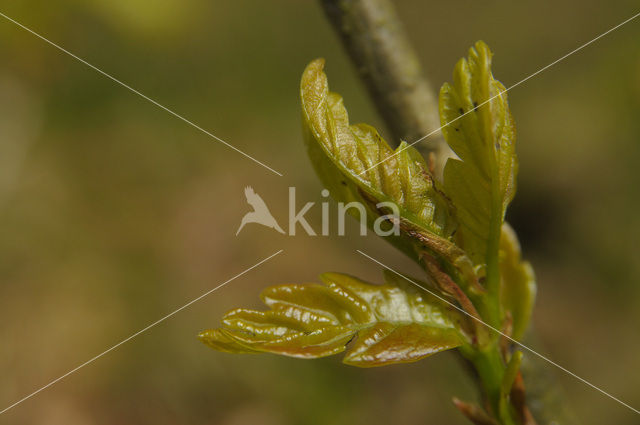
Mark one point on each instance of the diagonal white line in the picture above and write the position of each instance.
(503, 334)
(506, 90)
(175, 114)
(138, 333)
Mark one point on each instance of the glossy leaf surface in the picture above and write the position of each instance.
(356, 164)
(377, 324)
(481, 183)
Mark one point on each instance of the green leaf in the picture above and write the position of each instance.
(510, 375)
(356, 164)
(391, 323)
(481, 183)
(518, 286)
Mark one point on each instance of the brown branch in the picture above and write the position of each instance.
(376, 42)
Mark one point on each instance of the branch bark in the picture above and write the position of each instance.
(376, 42)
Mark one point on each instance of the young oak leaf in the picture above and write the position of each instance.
(356, 164)
(391, 323)
(518, 285)
(482, 182)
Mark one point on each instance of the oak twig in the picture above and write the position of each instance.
(376, 42)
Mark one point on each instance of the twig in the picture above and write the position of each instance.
(374, 38)
(378, 46)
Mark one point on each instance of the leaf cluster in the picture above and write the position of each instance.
(452, 225)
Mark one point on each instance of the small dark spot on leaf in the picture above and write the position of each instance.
(475, 106)
(461, 111)
(456, 129)
(344, 183)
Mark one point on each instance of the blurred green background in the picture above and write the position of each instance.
(114, 213)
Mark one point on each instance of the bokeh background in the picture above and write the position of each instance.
(114, 213)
